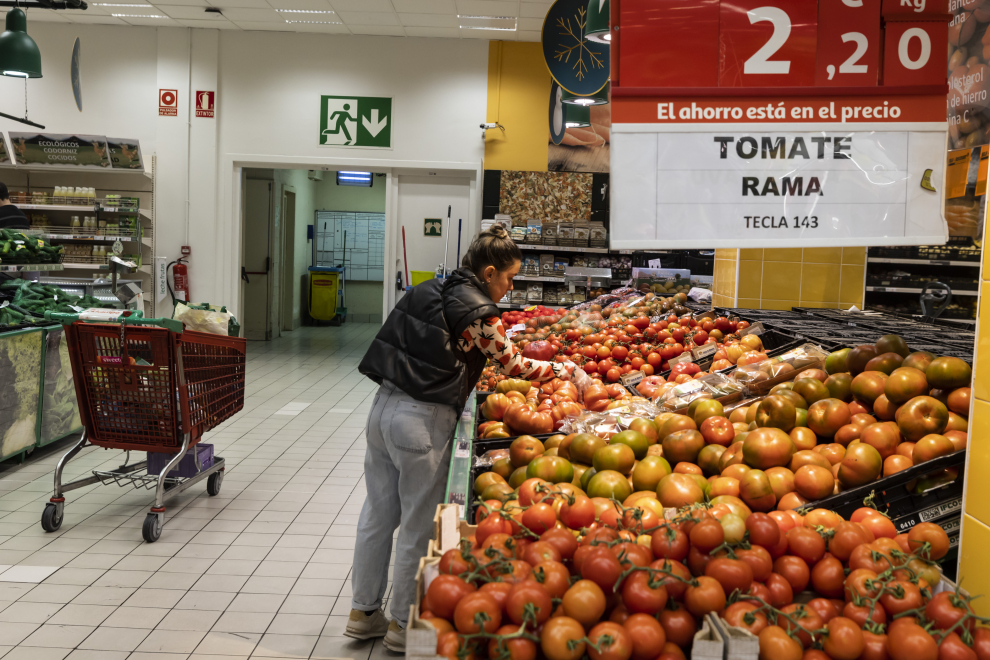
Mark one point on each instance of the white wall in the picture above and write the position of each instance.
(428, 197)
(268, 103)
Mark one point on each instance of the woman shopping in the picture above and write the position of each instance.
(427, 359)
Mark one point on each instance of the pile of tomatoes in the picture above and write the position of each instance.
(552, 573)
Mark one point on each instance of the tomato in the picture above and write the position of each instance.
(859, 581)
(584, 602)
(863, 613)
(679, 626)
(539, 552)
(793, 569)
(602, 567)
(444, 593)
(669, 542)
(643, 594)
(804, 621)
(844, 640)
(495, 523)
(476, 611)
(732, 574)
(763, 530)
(633, 553)
(528, 592)
(953, 648)
(759, 561)
(707, 535)
(946, 609)
(562, 638)
(707, 596)
(759, 590)
(911, 642)
(931, 534)
(453, 562)
(848, 536)
(613, 641)
(675, 587)
(735, 615)
(648, 636)
(806, 543)
(561, 539)
(896, 603)
(825, 608)
(497, 590)
(776, 644)
(539, 517)
(450, 644)
(827, 577)
(518, 648)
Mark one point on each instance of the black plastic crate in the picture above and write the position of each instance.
(891, 494)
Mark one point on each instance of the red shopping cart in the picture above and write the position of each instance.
(146, 385)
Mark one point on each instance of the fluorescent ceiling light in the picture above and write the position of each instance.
(304, 11)
(493, 18)
(104, 4)
(137, 16)
(320, 22)
(478, 27)
(500, 23)
(363, 179)
(15, 74)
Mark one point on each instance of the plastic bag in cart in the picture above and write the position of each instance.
(202, 320)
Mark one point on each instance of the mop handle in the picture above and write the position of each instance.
(405, 257)
(459, 222)
(446, 243)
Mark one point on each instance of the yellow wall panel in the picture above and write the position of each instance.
(820, 281)
(778, 304)
(750, 279)
(518, 94)
(749, 303)
(851, 289)
(818, 305)
(781, 281)
(974, 569)
(823, 255)
(725, 253)
(751, 254)
(854, 255)
(782, 254)
(981, 379)
(978, 488)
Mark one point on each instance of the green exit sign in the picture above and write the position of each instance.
(356, 121)
(432, 227)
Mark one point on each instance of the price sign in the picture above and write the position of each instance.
(913, 53)
(848, 43)
(683, 357)
(703, 351)
(632, 378)
(755, 329)
(767, 43)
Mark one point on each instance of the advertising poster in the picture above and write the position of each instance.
(53, 150)
(586, 148)
(125, 154)
(4, 156)
(60, 408)
(20, 366)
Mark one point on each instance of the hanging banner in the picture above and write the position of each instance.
(125, 154)
(57, 150)
(4, 156)
(797, 125)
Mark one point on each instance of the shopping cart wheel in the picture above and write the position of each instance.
(51, 519)
(213, 483)
(152, 529)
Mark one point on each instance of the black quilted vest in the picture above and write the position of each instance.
(416, 348)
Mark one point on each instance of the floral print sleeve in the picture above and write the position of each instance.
(488, 336)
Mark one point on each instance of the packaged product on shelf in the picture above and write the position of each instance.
(534, 232)
(546, 265)
(550, 294)
(579, 261)
(559, 265)
(530, 266)
(518, 296)
(579, 294)
(711, 386)
(504, 219)
(518, 233)
(534, 292)
(565, 233)
(582, 234)
(599, 236)
(549, 232)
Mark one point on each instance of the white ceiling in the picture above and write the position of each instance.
(519, 20)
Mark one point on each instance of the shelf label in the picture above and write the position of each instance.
(683, 357)
(878, 288)
(938, 263)
(755, 329)
(705, 350)
(630, 379)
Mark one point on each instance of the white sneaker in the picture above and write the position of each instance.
(366, 626)
(395, 638)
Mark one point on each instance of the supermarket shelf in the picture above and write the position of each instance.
(561, 248)
(531, 278)
(85, 208)
(932, 262)
(71, 265)
(21, 268)
(509, 306)
(86, 237)
(897, 289)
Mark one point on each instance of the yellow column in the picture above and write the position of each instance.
(974, 569)
(724, 282)
(782, 278)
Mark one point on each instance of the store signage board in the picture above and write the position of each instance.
(168, 103)
(125, 154)
(206, 104)
(806, 124)
(356, 121)
(4, 156)
(578, 65)
(60, 150)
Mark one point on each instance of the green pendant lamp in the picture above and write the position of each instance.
(598, 98)
(577, 116)
(19, 55)
(596, 28)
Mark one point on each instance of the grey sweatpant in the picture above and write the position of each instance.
(405, 470)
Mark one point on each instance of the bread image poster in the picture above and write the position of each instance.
(583, 149)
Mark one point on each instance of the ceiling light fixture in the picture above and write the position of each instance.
(598, 98)
(104, 4)
(596, 27)
(137, 16)
(318, 22)
(19, 54)
(477, 27)
(577, 116)
(304, 11)
(491, 18)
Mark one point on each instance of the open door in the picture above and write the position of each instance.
(256, 267)
(289, 303)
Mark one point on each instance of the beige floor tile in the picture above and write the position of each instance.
(135, 617)
(171, 641)
(36, 653)
(115, 639)
(82, 615)
(227, 644)
(199, 620)
(26, 612)
(285, 646)
(51, 635)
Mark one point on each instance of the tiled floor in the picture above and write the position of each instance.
(259, 571)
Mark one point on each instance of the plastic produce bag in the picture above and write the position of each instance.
(202, 320)
(607, 423)
(712, 386)
(802, 357)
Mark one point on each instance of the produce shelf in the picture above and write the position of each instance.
(533, 278)
(21, 268)
(82, 207)
(86, 237)
(897, 289)
(932, 262)
(564, 248)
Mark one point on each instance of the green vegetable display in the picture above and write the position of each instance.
(31, 300)
(19, 248)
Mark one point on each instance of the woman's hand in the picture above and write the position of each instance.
(582, 381)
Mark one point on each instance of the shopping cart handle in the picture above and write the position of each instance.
(135, 318)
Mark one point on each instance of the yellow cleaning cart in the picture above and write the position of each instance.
(326, 294)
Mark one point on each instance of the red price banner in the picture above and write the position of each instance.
(767, 43)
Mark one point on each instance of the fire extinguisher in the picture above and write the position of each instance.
(180, 275)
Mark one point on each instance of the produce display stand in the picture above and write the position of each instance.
(145, 385)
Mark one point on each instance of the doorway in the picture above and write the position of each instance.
(256, 264)
(288, 283)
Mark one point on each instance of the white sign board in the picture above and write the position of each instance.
(760, 185)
